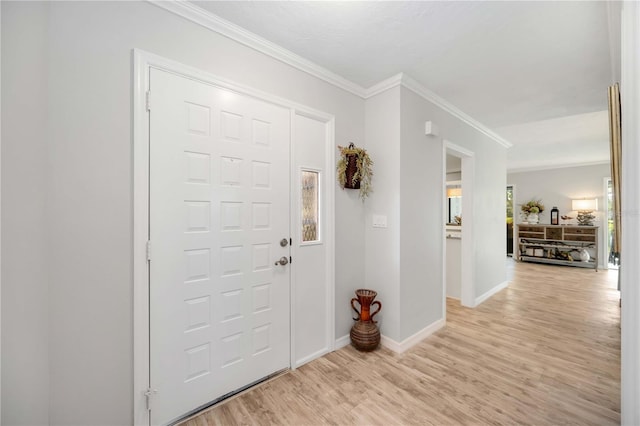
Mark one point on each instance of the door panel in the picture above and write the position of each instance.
(219, 197)
(312, 333)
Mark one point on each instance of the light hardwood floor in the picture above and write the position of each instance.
(544, 351)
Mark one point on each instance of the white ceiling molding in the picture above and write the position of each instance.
(221, 26)
(553, 166)
(427, 94)
(411, 84)
(208, 20)
(387, 84)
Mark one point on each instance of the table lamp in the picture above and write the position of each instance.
(585, 208)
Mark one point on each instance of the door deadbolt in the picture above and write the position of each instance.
(283, 261)
(284, 242)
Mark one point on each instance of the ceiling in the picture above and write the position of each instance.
(536, 73)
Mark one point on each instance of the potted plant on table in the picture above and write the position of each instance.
(531, 210)
(355, 169)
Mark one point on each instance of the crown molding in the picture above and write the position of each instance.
(234, 32)
(221, 26)
(404, 80)
(526, 169)
(427, 94)
(432, 97)
(384, 85)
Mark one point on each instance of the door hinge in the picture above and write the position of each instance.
(148, 100)
(149, 251)
(149, 393)
(290, 259)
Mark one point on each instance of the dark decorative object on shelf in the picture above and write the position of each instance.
(555, 216)
(365, 335)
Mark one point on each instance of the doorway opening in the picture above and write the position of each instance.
(458, 235)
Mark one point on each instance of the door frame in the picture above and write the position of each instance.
(142, 63)
(326, 205)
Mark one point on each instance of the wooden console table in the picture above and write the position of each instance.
(557, 244)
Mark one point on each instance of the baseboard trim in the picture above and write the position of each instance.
(491, 292)
(411, 341)
(308, 358)
(343, 341)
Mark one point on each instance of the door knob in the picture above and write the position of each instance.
(283, 261)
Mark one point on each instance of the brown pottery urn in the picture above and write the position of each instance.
(365, 335)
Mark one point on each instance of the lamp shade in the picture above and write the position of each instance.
(584, 205)
(454, 192)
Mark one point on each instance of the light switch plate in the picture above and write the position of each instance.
(379, 221)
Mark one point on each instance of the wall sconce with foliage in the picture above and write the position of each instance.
(355, 169)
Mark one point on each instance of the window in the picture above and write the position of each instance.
(310, 194)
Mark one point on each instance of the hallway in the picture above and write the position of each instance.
(546, 350)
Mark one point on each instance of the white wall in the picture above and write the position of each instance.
(25, 309)
(404, 261)
(453, 266)
(382, 259)
(453, 176)
(489, 203)
(83, 51)
(630, 251)
(421, 207)
(557, 187)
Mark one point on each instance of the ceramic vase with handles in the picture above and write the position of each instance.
(584, 255)
(533, 218)
(365, 335)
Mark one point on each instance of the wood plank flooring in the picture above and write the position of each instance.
(544, 351)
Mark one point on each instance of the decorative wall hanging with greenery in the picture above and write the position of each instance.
(355, 169)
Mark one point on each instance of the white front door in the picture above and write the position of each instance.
(219, 208)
